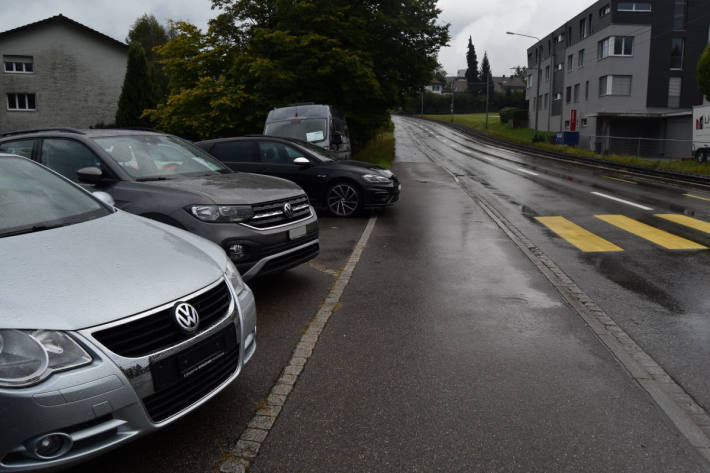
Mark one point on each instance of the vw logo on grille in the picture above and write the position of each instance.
(186, 317)
(288, 210)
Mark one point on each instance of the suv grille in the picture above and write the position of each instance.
(271, 214)
(158, 331)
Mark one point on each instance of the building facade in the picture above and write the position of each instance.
(59, 73)
(623, 74)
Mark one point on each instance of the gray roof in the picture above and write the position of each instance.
(61, 19)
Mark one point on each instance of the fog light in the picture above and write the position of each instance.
(237, 252)
(51, 446)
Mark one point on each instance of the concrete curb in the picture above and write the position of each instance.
(249, 443)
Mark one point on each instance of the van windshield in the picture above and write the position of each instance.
(311, 130)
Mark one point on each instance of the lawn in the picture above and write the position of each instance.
(524, 136)
(379, 150)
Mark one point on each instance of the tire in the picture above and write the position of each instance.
(702, 155)
(343, 199)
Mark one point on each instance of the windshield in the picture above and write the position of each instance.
(148, 157)
(34, 199)
(311, 130)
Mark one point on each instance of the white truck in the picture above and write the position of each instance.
(701, 132)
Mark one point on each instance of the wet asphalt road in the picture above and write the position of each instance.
(449, 351)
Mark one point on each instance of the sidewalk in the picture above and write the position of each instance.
(450, 352)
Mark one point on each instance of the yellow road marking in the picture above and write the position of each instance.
(697, 197)
(621, 180)
(577, 236)
(652, 234)
(687, 221)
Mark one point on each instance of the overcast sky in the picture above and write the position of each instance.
(486, 21)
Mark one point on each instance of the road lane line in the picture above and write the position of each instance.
(652, 234)
(247, 447)
(622, 201)
(528, 172)
(577, 236)
(697, 197)
(687, 221)
(620, 180)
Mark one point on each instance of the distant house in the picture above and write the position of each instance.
(505, 84)
(436, 87)
(456, 83)
(57, 72)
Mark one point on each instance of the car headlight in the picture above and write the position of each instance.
(222, 213)
(29, 356)
(386, 172)
(234, 277)
(375, 179)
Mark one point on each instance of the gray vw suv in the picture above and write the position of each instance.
(111, 325)
(264, 224)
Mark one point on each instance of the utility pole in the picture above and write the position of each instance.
(422, 100)
(488, 82)
(537, 79)
(453, 92)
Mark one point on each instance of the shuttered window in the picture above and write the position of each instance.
(674, 88)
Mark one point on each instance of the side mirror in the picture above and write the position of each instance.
(337, 138)
(90, 175)
(301, 161)
(104, 197)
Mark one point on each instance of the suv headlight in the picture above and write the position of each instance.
(234, 277)
(29, 356)
(222, 213)
(375, 179)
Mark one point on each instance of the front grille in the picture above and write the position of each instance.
(271, 214)
(179, 393)
(158, 331)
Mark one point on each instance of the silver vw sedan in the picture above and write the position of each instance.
(111, 325)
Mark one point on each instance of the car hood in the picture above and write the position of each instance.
(101, 270)
(235, 188)
(356, 165)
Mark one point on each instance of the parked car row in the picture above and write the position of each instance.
(113, 325)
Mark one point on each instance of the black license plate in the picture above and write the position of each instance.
(190, 362)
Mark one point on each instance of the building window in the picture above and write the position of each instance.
(680, 14)
(529, 81)
(634, 6)
(568, 94)
(559, 67)
(547, 73)
(24, 102)
(576, 93)
(677, 50)
(18, 64)
(566, 124)
(615, 46)
(570, 61)
(560, 37)
(556, 97)
(583, 28)
(614, 85)
(674, 88)
(584, 122)
(586, 90)
(545, 101)
(580, 58)
(605, 10)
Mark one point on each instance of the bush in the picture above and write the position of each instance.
(506, 113)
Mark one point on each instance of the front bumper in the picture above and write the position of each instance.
(113, 400)
(381, 196)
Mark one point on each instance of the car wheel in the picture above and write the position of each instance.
(701, 156)
(343, 199)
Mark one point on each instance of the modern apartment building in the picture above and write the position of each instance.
(619, 71)
(57, 72)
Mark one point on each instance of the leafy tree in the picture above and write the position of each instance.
(486, 76)
(472, 71)
(149, 33)
(521, 72)
(361, 57)
(704, 72)
(137, 93)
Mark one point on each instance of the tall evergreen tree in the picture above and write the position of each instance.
(472, 71)
(704, 73)
(486, 76)
(138, 91)
(149, 33)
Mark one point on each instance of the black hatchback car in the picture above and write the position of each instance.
(342, 187)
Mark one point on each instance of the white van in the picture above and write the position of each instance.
(701, 132)
(321, 125)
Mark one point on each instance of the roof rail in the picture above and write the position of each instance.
(38, 130)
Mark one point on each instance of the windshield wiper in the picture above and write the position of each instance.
(156, 178)
(32, 229)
